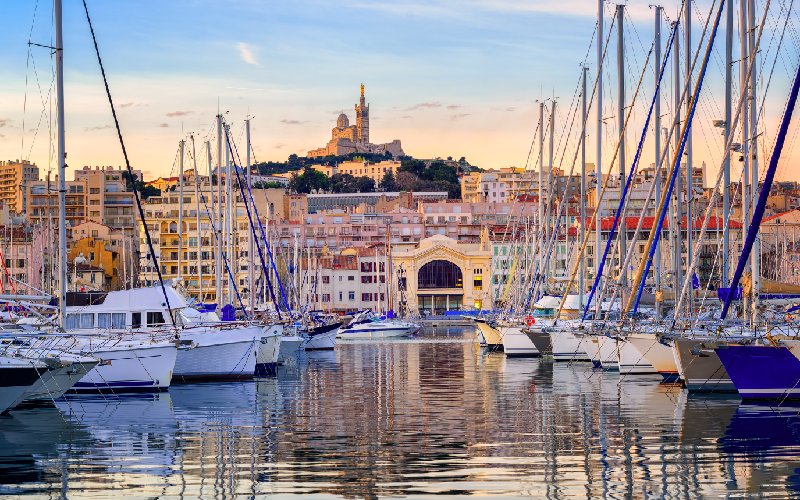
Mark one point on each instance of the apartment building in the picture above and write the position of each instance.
(14, 175)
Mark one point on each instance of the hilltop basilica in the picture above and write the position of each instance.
(346, 138)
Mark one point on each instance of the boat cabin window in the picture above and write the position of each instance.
(118, 321)
(73, 321)
(155, 318)
(136, 320)
(103, 320)
(87, 320)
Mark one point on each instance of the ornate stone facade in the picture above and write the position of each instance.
(346, 138)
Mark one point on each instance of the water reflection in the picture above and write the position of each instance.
(432, 415)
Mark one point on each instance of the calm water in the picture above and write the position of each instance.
(429, 416)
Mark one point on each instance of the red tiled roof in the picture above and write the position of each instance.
(631, 222)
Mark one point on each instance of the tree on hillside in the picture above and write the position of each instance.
(346, 183)
(308, 181)
(388, 183)
(144, 190)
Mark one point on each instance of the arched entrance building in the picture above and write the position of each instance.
(442, 274)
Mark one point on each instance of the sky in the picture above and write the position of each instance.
(446, 77)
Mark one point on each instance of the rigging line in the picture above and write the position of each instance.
(771, 71)
(631, 174)
(540, 265)
(267, 246)
(533, 141)
(252, 226)
(735, 123)
(551, 244)
(130, 169)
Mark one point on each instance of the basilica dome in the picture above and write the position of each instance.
(342, 121)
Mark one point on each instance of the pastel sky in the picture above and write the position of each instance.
(447, 77)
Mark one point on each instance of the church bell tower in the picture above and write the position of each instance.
(362, 118)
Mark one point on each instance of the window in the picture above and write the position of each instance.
(155, 318)
(340, 296)
(477, 271)
(136, 320)
(351, 277)
(87, 320)
(118, 320)
(326, 280)
(439, 274)
(104, 320)
(366, 297)
(477, 283)
(20, 262)
(351, 296)
(73, 321)
(326, 297)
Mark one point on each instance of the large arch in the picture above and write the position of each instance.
(439, 274)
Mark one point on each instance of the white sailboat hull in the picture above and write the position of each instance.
(567, 346)
(609, 356)
(268, 352)
(218, 353)
(516, 343)
(54, 383)
(657, 354)
(632, 361)
(377, 331)
(147, 367)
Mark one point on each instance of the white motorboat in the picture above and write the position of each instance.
(320, 338)
(17, 376)
(366, 325)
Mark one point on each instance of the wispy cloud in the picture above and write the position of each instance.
(163, 125)
(246, 53)
(459, 116)
(425, 105)
(5, 122)
(176, 114)
(279, 145)
(132, 105)
(97, 127)
(292, 122)
(453, 106)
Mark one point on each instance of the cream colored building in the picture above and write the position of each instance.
(499, 185)
(14, 175)
(440, 274)
(374, 171)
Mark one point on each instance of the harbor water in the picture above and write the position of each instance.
(427, 416)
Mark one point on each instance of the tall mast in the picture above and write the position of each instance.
(687, 30)
(180, 213)
(584, 116)
(599, 161)
(621, 119)
(726, 183)
(745, 128)
(542, 233)
(657, 137)
(62, 169)
(551, 228)
(199, 231)
(755, 257)
(250, 238)
(675, 226)
(218, 257)
(229, 219)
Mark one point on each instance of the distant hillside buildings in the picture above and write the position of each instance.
(346, 138)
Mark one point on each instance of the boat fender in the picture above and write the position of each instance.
(529, 320)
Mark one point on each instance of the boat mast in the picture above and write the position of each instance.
(675, 226)
(657, 137)
(199, 242)
(218, 257)
(230, 225)
(743, 88)
(755, 257)
(599, 161)
(180, 213)
(552, 229)
(621, 117)
(584, 116)
(62, 168)
(687, 29)
(250, 237)
(542, 229)
(726, 198)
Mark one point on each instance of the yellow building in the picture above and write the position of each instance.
(441, 274)
(360, 168)
(97, 254)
